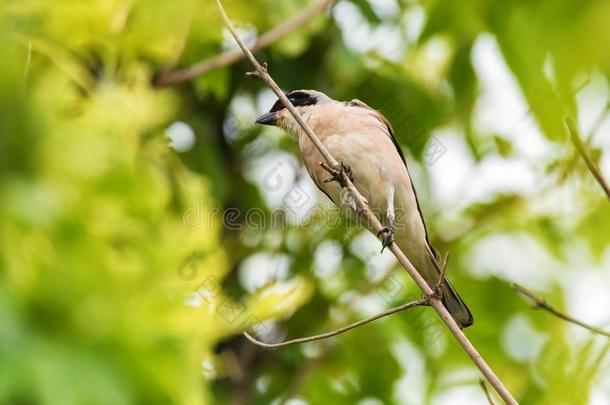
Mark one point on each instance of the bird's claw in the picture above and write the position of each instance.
(388, 237)
(336, 174)
(437, 292)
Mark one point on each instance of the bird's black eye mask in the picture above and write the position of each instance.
(297, 98)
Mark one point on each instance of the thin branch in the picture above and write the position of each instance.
(171, 77)
(541, 303)
(412, 304)
(443, 270)
(595, 171)
(261, 72)
(28, 60)
(362, 205)
(486, 391)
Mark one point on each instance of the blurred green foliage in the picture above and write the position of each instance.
(110, 294)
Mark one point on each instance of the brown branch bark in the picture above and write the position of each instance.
(403, 307)
(541, 303)
(171, 77)
(580, 147)
(435, 302)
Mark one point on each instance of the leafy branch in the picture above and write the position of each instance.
(434, 299)
(580, 147)
(540, 303)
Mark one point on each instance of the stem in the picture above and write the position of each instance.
(541, 303)
(595, 171)
(412, 304)
(171, 77)
(486, 391)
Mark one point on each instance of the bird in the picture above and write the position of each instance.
(363, 140)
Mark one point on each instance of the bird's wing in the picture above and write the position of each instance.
(316, 180)
(390, 132)
(317, 183)
(384, 121)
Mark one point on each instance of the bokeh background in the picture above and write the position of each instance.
(143, 227)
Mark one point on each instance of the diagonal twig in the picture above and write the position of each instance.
(486, 391)
(417, 303)
(361, 203)
(443, 271)
(261, 72)
(170, 77)
(593, 168)
(541, 303)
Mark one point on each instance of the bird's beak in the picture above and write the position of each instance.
(268, 118)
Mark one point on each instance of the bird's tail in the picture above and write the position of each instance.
(456, 307)
(451, 300)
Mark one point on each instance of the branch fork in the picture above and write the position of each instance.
(262, 69)
(422, 302)
(338, 173)
(417, 303)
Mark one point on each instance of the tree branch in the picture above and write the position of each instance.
(575, 138)
(412, 304)
(486, 391)
(435, 302)
(171, 77)
(541, 303)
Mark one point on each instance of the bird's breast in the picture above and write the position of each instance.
(377, 167)
(369, 159)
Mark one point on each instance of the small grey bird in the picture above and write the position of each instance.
(363, 139)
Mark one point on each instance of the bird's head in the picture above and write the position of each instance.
(305, 102)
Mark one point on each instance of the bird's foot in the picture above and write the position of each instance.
(436, 294)
(387, 238)
(336, 174)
